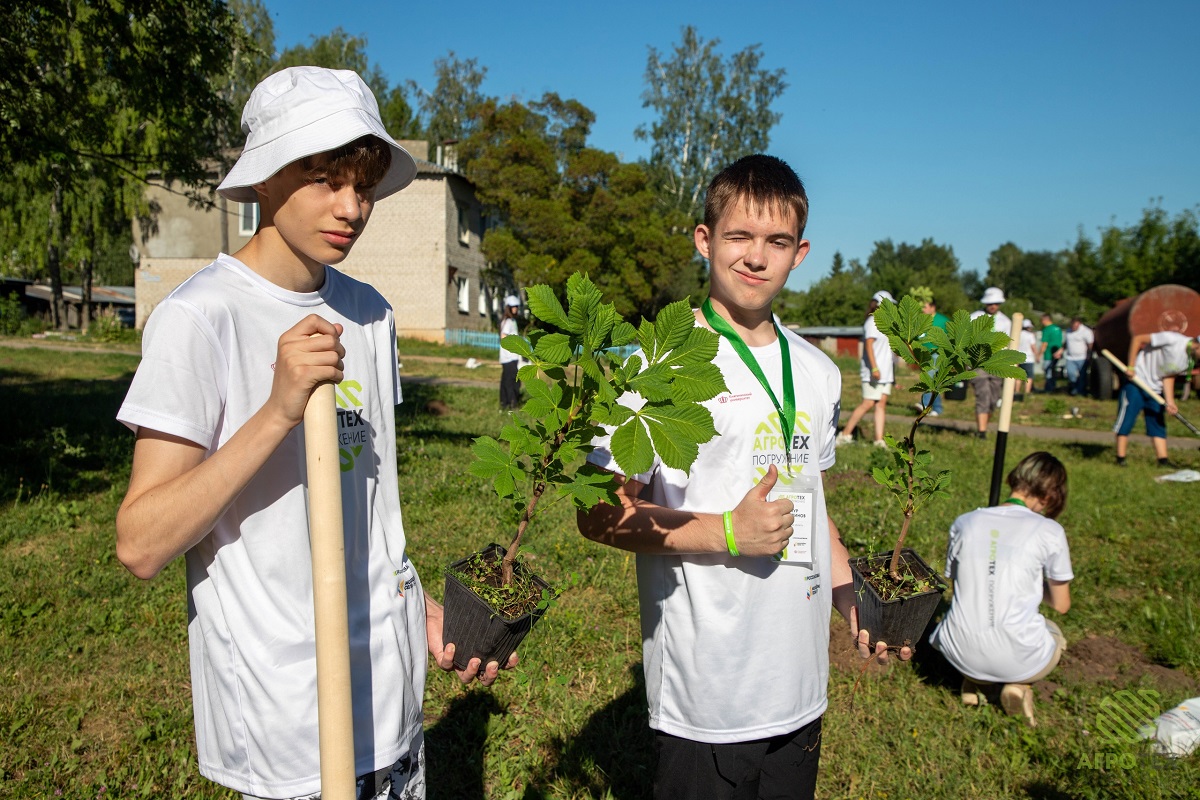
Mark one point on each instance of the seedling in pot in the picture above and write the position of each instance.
(574, 382)
(965, 348)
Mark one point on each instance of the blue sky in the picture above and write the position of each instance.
(972, 124)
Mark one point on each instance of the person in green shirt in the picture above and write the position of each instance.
(1050, 349)
(939, 321)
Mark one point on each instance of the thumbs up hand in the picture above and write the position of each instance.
(762, 527)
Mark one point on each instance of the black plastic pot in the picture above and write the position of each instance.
(901, 621)
(475, 628)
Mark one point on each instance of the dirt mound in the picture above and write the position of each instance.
(1103, 659)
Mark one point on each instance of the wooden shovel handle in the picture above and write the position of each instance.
(334, 711)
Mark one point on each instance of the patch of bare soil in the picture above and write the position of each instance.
(1103, 659)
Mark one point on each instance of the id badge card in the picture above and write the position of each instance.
(803, 493)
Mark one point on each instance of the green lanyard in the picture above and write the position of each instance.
(1016, 502)
(787, 412)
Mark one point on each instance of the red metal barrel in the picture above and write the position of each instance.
(1169, 307)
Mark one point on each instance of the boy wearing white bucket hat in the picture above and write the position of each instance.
(988, 388)
(230, 359)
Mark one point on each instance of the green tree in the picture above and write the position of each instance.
(710, 112)
(565, 207)
(1127, 261)
(451, 112)
(1039, 277)
(339, 50)
(106, 88)
(896, 267)
(840, 298)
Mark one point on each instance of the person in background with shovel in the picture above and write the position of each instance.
(1155, 358)
(230, 360)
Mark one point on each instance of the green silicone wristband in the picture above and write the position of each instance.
(732, 545)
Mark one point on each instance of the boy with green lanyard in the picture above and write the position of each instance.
(735, 630)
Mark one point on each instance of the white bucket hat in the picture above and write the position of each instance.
(302, 111)
(1027, 325)
(511, 300)
(882, 295)
(991, 295)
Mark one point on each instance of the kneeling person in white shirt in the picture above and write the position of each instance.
(1004, 562)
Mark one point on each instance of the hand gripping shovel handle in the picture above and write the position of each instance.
(1006, 404)
(1141, 384)
(334, 712)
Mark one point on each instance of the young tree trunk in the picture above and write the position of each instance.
(58, 317)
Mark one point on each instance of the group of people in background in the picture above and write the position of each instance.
(1156, 359)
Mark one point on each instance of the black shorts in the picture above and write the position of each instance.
(780, 767)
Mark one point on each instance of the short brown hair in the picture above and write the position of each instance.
(761, 181)
(1043, 476)
(364, 161)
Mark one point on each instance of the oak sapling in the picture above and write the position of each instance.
(966, 347)
(574, 383)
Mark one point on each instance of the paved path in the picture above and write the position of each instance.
(1183, 441)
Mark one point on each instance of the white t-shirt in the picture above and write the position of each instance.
(208, 356)
(1029, 345)
(736, 649)
(508, 327)
(1166, 355)
(997, 558)
(1000, 322)
(874, 338)
(1077, 343)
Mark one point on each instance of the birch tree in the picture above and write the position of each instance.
(711, 110)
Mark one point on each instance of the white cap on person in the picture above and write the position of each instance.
(303, 111)
(882, 295)
(511, 300)
(991, 295)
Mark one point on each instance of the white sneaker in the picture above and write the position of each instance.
(880, 443)
(934, 414)
(843, 438)
(918, 407)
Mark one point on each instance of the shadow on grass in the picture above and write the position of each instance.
(61, 434)
(613, 752)
(1089, 450)
(454, 748)
(418, 416)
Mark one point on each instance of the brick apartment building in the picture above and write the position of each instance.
(421, 250)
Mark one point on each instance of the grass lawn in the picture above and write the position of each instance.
(94, 694)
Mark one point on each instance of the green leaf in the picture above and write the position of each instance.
(672, 326)
(591, 486)
(677, 431)
(623, 333)
(543, 398)
(696, 383)
(554, 347)
(492, 462)
(632, 448)
(653, 383)
(545, 306)
(700, 347)
(583, 301)
(518, 345)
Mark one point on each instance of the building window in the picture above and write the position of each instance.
(464, 296)
(464, 225)
(247, 219)
(483, 301)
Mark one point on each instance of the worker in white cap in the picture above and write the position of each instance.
(877, 372)
(987, 387)
(510, 397)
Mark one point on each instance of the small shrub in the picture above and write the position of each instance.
(13, 319)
